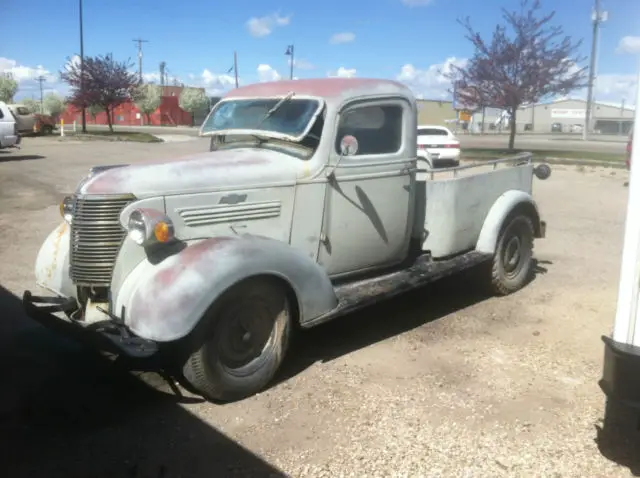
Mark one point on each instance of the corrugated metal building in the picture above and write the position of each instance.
(562, 116)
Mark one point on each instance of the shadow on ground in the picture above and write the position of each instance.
(68, 412)
(618, 438)
(389, 318)
(6, 156)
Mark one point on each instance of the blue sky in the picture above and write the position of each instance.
(409, 40)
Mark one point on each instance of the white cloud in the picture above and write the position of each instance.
(217, 84)
(343, 72)
(417, 3)
(263, 26)
(267, 73)
(629, 45)
(26, 78)
(431, 82)
(613, 87)
(344, 37)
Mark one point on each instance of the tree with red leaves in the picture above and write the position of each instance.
(527, 61)
(101, 82)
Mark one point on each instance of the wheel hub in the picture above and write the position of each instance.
(512, 256)
(244, 335)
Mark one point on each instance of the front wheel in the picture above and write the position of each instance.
(244, 342)
(512, 266)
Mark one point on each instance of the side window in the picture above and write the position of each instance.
(1, 113)
(377, 129)
(22, 110)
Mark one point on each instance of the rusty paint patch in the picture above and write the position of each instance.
(321, 87)
(56, 245)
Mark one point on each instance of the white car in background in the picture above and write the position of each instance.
(9, 136)
(438, 146)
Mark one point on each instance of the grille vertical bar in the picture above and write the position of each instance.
(96, 237)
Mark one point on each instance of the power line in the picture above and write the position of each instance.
(41, 79)
(597, 17)
(140, 41)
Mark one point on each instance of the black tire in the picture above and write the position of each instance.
(512, 265)
(243, 342)
(47, 130)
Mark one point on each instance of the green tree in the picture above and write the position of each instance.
(93, 110)
(8, 87)
(54, 105)
(192, 100)
(147, 98)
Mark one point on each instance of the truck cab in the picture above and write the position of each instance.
(311, 203)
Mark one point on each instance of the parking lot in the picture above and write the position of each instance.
(440, 382)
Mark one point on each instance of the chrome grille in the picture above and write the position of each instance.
(96, 237)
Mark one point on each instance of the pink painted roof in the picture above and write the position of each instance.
(322, 87)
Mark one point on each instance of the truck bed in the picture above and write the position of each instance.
(456, 201)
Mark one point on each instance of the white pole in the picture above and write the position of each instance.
(627, 324)
(61, 127)
(74, 125)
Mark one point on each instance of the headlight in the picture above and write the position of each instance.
(148, 226)
(67, 208)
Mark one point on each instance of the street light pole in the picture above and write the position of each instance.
(597, 17)
(84, 109)
(290, 53)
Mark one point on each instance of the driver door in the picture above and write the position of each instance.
(369, 196)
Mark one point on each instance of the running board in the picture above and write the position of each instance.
(360, 293)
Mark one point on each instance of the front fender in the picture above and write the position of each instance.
(166, 300)
(52, 263)
(502, 207)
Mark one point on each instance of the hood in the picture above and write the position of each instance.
(230, 169)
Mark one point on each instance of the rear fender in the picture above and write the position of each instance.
(510, 202)
(164, 301)
(52, 263)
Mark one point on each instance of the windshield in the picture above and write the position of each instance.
(292, 117)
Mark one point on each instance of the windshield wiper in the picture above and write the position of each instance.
(276, 107)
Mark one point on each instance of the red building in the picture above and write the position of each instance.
(168, 113)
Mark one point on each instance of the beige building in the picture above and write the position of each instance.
(436, 112)
(562, 116)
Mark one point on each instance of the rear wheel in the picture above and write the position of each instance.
(512, 266)
(244, 342)
(47, 129)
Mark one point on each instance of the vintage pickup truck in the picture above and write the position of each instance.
(309, 204)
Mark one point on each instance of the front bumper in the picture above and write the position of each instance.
(621, 372)
(109, 336)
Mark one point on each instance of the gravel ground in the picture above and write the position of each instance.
(440, 382)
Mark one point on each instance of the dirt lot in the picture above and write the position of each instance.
(440, 382)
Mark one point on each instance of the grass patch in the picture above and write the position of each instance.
(133, 136)
(541, 154)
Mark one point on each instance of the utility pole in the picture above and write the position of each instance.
(235, 66)
(41, 79)
(597, 17)
(84, 107)
(140, 41)
(290, 52)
